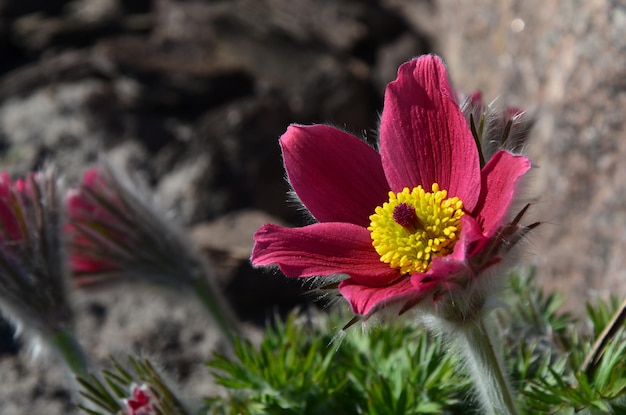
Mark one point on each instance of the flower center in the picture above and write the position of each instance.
(414, 226)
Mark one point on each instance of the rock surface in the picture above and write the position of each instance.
(192, 95)
(570, 72)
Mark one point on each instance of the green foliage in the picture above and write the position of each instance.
(297, 370)
(306, 365)
(400, 369)
(108, 392)
(548, 363)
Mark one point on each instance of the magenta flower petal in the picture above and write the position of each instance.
(9, 221)
(424, 137)
(80, 207)
(499, 181)
(338, 177)
(366, 300)
(470, 239)
(321, 249)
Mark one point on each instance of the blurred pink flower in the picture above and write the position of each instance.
(33, 275)
(418, 219)
(33, 271)
(85, 260)
(11, 226)
(116, 231)
(141, 402)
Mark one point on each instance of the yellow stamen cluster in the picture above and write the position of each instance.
(434, 231)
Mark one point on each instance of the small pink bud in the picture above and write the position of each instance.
(140, 403)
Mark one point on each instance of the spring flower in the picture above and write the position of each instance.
(151, 393)
(33, 274)
(418, 219)
(115, 232)
(140, 403)
(88, 265)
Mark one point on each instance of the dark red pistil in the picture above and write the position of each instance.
(405, 216)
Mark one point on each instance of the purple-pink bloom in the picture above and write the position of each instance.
(33, 272)
(115, 231)
(141, 402)
(84, 261)
(425, 143)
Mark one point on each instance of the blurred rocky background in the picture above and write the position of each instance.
(191, 96)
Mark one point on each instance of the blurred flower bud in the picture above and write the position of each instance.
(117, 233)
(140, 403)
(151, 392)
(33, 272)
(494, 127)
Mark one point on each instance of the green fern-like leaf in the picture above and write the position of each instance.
(108, 392)
(298, 370)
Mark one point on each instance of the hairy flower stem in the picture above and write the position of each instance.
(71, 352)
(473, 341)
(219, 310)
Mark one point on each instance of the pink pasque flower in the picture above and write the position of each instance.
(117, 232)
(33, 272)
(418, 219)
(91, 210)
(140, 403)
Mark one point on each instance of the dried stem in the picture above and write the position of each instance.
(595, 354)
